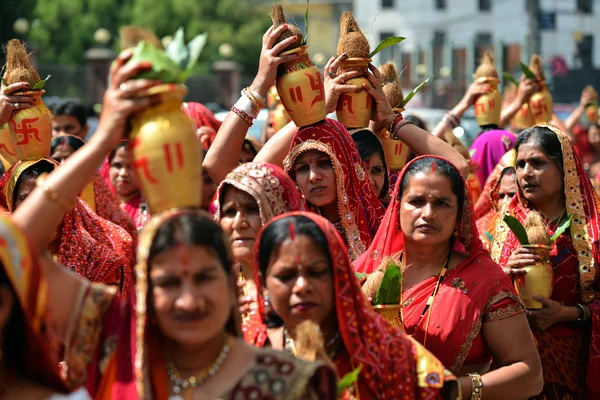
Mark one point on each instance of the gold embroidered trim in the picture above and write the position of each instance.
(504, 313)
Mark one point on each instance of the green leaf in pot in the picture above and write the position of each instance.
(527, 72)
(386, 43)
(517, 228)
(389, 289)
(163, 68)
(195, 48)
(508, 77)
(177, 50)
(348, 380)
(561, 229)
(415, 91)
(305, 39)
(40, 84)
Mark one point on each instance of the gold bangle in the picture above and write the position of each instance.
(51, 194)
(477, 390)
(254, 98)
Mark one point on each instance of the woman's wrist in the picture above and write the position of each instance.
(569, 313)
(260, 86)
(388, 120)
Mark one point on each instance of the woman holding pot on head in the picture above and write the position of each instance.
(566, 328)
(303, 267)
(454, 299)
(182, 316)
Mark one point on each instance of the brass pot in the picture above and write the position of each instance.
(391, 313)
(541, 105)
(354, 109)
(591, 111)
(396, 152)
(539, 279)
(523, 119)
(31, 128)
(300, 87)
(488, 106)
(167, 156)
(8, 151)
(280, 117)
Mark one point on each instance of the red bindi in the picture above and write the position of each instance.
(183, 256)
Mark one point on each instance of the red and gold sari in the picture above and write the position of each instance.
(20, 264)
(564, 348)
(91, 246)
(360, 209)
(393, 366)
(115, 350)
(474, 292)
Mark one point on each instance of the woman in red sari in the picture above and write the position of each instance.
(455, 300)
(306, 273)
(552, 181)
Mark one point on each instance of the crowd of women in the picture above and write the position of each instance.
(274, 283)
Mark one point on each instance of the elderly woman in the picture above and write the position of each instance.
(553, 182)
(455, 300)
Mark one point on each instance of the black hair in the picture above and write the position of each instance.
(367, 144)
(543, 138)
(32, 172)
(72, 141)
(506, 171)
(14, 344)
(278, 232)
(71, 108)
(417, 121)
(121, 145)
(442, 167)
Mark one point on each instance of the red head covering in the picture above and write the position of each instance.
(201, 116)
(386, 354)
(360, 209)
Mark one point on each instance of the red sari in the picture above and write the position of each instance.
(391, 368)
(360, 209)
(474, 292)
(564, 347)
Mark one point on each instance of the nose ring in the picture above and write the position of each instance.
(244, 224)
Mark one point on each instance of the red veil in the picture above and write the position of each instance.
(386, 354)
(360, 209)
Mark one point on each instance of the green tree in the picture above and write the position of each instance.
(10, 11)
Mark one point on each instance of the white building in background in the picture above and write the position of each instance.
(446, 38)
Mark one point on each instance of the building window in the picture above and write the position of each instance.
(389, 54)
(585, 50)
(485, 5)
(483, 42)
(387, 3)
(440, 4)
(584, 6)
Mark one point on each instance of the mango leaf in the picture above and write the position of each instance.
(348, 379)
(360, 276)
(517, 228)
(527, 72)
(177, 50)
(561, 229)
(305, 40)
(508, 77)
(163, 68)
(40, 84)
(389, 289)
(4, 82)
(386, 43)
(415, 91)
(195, 48)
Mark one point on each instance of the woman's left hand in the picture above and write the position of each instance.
(383, 114)
(550, 314)
(335, 85)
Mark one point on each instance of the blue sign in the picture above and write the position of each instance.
(547, 21)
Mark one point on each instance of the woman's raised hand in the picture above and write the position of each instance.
(520, 258)
(124, 97)
(10, 103)
(270, 59)
(383, 114)
(335, 85)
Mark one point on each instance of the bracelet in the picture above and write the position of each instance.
(247, 119)
(477, 382)
(397, 117)
(398, 127)
(246, 105)
(51, 194)
(256, 98)
(451, 120)
(582, 313)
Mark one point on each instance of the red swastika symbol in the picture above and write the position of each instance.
(492, 104)
(25, 131)
(539, 107)
(316, 84)
(142, 164)
(345, 100)
(3, 146)
(479, 108)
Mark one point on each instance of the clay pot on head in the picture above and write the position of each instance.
(31, 128)
(354, 109)
(166, 153)
(488, 106)
(539, 279)
(8, 151)
(541, 105)
(300, 87)
(396, 152)
(523, 119)
(591, 112)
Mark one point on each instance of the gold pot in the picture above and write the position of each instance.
(300, 87)
(488, 106)
(591, 111)
(541, 105)
(166, 154)
(391, 313)
(354, 109)
(8, 151)
(523, 119)
(539, 279)
(396, 152)
(280, 117)
(31, 129)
